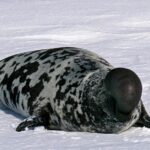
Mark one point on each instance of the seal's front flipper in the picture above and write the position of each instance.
(30, 122)
(144, 119)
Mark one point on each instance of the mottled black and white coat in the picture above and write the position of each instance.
(62, 89)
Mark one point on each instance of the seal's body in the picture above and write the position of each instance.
(64, 89)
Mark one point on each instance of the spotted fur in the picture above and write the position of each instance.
(63, 88)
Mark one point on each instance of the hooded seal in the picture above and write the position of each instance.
(71, 89)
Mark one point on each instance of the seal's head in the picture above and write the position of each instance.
(125, 87)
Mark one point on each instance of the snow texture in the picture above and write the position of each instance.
(118, 30)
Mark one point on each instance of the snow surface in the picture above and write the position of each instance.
(118, 30)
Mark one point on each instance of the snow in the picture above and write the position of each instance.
(118, 30)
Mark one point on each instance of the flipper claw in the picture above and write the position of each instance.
(30, 122)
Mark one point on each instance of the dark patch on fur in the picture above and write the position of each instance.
(5, 80)
(45, 77)
(1, 72)
(8, 58)
(51, 70)
(41, 98)
(34, 93)
(22, 105)
(26, 88)
(58, 66)
(14, 63)
(2, 66)
(5, 97)
(57, 76)
(28, 59)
